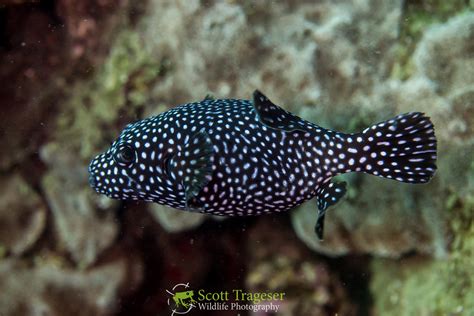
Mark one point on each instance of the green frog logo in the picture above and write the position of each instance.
(181, 300)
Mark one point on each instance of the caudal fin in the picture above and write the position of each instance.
(403, 149)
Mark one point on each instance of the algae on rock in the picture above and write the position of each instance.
(80, 229)
(417, 17)
(419, 286)
(310, 286)
(403, 218)
(340, 64)
(22, 215)
(51, 290)
(119, 89)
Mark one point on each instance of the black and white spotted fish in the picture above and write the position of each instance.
(241, 157)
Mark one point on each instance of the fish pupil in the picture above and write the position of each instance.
(125, 155)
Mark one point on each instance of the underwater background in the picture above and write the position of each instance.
(74, 73)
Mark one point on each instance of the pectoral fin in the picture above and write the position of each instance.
(327, 195)
(192, 168)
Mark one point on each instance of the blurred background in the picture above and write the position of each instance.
(74, 73)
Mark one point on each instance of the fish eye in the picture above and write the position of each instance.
(124, 155)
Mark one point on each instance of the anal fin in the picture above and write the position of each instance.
(328, 195)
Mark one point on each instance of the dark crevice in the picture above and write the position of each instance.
(354, 273)
(11, 15)
(3, 29)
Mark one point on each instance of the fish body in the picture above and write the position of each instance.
(249, 157)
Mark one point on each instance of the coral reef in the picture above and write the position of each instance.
(44, 61)
(309, 285)
(412, 218)
(22, 216)
(440, 287)
(175, 221)
(53, 229)
(73, 81)
(51, 290)
(73, 208)
(444, 63)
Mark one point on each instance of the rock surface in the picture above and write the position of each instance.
(443, 85)
(80, 229)
(40, 64)
(71, 83)
(173, 220)
(309, 285)
(299, 54)
(52, 290)
(401, 218)
(22, 216)
(440, 287)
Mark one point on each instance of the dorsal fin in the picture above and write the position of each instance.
(209, 97)
(274, 116)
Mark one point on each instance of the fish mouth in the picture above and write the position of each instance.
(92, 180)
(96, 180)
(92, 175)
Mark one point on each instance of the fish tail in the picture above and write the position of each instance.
(403, 148)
